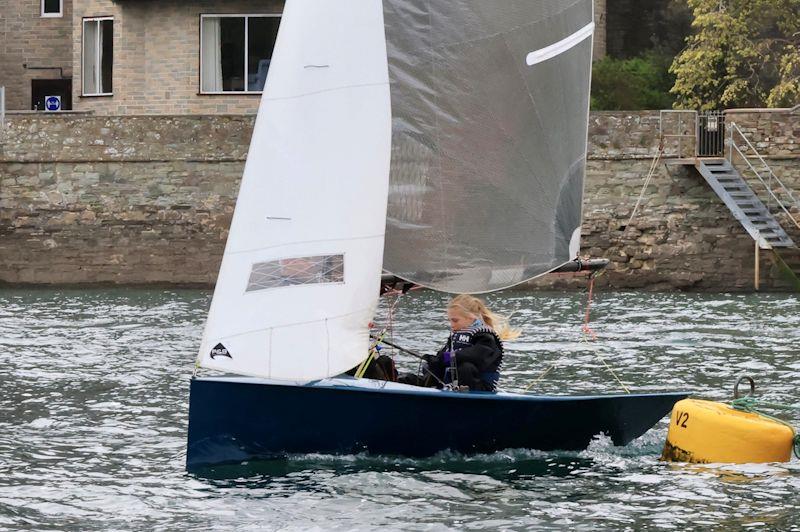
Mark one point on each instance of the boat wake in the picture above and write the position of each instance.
(505, 464)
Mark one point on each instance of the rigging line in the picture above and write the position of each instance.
(374, 349)
(362, 368)
(589, 333)
(541, 376)
(611, 370)
(390, 317)
(414, 354)
(390, 325)
(583, 338)
(585, 330)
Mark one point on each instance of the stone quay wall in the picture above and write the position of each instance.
(682, 236)
(90, 199)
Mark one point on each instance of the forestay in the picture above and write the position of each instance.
(299, 278)
(490, 104)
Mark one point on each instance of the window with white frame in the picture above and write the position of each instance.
(97, 56)
(52, 8)
(235, 51)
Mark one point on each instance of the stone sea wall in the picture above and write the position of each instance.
(148, 199)
(682, 236)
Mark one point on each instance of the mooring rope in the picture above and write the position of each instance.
(650, 174)
(751, 404)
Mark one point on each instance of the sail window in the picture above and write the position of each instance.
(52, 8)
(295, 271)
(98, 56)
(235, 52)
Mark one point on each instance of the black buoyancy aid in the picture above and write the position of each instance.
(464, 338)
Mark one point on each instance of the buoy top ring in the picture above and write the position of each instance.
(739, 381)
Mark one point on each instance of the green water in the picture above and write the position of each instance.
(93, 409)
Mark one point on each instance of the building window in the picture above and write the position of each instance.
(98, 56)
(235, 52)
(52, 8)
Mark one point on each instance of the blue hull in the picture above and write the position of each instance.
(236, 419)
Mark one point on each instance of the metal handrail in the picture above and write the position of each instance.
(772, 175)
(680, 136)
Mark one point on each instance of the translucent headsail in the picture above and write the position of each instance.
(301, 271)
(490, 103)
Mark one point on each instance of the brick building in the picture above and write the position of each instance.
(123, 57)
(173, 56)
(35, 51)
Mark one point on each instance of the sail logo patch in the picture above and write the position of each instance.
(220, 351)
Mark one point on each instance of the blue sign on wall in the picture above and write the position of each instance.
(52, 103)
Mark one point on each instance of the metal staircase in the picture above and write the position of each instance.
(741, 178)
(743, 203)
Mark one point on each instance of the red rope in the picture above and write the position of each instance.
(587, 331)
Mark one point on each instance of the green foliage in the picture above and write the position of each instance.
(631, 84)
(742, 53)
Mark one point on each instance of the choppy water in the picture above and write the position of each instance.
(93, 409)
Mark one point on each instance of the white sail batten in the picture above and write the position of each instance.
(299, 279)
(558, 48)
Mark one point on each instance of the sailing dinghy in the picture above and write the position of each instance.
(444, 142)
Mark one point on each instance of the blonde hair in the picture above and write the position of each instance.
(475, 307)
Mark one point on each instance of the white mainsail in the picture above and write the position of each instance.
(299, 279)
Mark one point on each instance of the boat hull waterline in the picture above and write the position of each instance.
(236, 419)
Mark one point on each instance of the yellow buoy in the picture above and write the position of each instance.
(704, 432)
